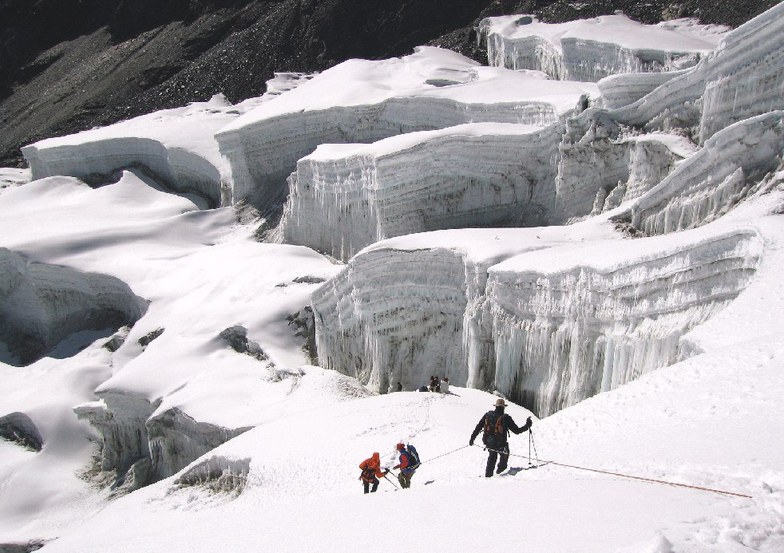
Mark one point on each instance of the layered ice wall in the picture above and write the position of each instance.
(175, 146)
(590, 49)
(140, 446)
(343, 198)
(626, 88)
(598, 168)
(399, 331)
(714, 180)
(372, 100)
(41, 305)
(744, 77)
(548, 327)
(566, 328)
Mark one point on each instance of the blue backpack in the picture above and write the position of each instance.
(413, 457)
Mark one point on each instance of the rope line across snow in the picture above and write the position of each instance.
(634, 477)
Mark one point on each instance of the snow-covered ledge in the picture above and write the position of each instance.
(177, 147)
(714, 180)
(371, 100)
(547, 327)
(590, 49)
(743, 78)
(345, 197)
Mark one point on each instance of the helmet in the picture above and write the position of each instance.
(400, 446)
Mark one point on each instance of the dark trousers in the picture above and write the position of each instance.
(492, 457)
(367, 487)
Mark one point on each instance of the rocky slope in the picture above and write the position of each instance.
(113, 60)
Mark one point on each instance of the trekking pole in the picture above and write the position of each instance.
(532, 442)
(390, 481)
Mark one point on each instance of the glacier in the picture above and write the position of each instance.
(542, 239)
(371, 100)
(591, 49)
(742, 78)
(503, 324)
(43, 305)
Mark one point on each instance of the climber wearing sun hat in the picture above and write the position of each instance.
(496, 426)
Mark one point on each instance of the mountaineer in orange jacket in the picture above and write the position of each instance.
(371, 472)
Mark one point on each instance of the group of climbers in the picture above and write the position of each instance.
(495, 426)
(408, 462)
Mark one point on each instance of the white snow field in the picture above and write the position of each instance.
(172, 383)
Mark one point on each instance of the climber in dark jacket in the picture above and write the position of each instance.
(496, 426)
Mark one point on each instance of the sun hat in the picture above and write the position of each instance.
(500, 402)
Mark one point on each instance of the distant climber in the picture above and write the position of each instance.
(407, 465)
(435, 385)
(371, 472)
(496, 426)
(399, 387)
(445, 385)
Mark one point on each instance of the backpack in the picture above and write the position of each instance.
(413, 457)
(495, 431)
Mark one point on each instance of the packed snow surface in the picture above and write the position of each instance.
(643, 338)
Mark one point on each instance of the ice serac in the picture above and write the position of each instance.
(402, 309)
(718, 177)
(143, 446)
(403, 331)
(626, 88)
(590, 49)
(372, 100)
(599, 167)
(565, 333)
(217, 474)
(343, 198)
(41, 305)
(743, 78)
(549, 326)
(177, 147)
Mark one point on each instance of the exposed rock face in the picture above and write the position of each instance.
(121, 59)
(44, 304)
(126, 58)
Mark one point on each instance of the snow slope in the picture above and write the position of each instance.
(648, 331)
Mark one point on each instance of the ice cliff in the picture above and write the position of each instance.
(590, 49)
(41, 305)
(545, 333)
(371, 100)
(553, 318)
(742, 78)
